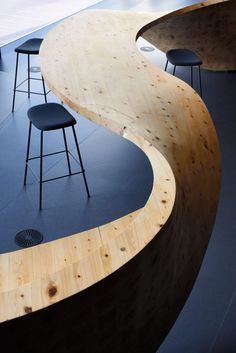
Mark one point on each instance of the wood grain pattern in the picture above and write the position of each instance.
(125, 289)
(208, 28)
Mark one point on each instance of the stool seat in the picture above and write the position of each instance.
(50, 116)
(31, 46)
(183, 57)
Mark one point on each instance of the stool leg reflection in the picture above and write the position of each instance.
(81, 163)
(27, 153)
(67, 153)
(41, 171)
(15, 82)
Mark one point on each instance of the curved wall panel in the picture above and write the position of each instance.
(209, 29)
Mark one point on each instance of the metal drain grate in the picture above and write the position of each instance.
(147, 49)
(28, 237)
(34, 69)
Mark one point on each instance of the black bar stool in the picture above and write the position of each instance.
(184, 57)
(47, 117)
(30, 47)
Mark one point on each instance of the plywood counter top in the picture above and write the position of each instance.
(91, 62)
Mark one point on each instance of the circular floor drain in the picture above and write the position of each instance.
(34, 69)
(28, 237)
(147, 48)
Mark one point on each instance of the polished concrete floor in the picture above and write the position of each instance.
(207, 323)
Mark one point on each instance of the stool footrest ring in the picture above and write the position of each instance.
(51, 154)
(62, 176)
(46, 155)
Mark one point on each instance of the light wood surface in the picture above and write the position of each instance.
(91, 62)
(208, 28)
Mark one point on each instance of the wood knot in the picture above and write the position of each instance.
(28, 309)
(52, 291)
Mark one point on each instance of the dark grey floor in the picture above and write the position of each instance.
(207, 323)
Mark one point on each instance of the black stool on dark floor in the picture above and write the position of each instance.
(47, 117)
(30, 47)
(184, 57)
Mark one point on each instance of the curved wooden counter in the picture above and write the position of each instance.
(124, 283)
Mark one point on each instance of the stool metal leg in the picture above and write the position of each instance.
(15, 82)
(191, 76)
(41, 171)
(44, 90)
(27, 153)
(200, 80)
(28, 76)
(166, 64)
(174, 70)
(80, 159)
(67, 154)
